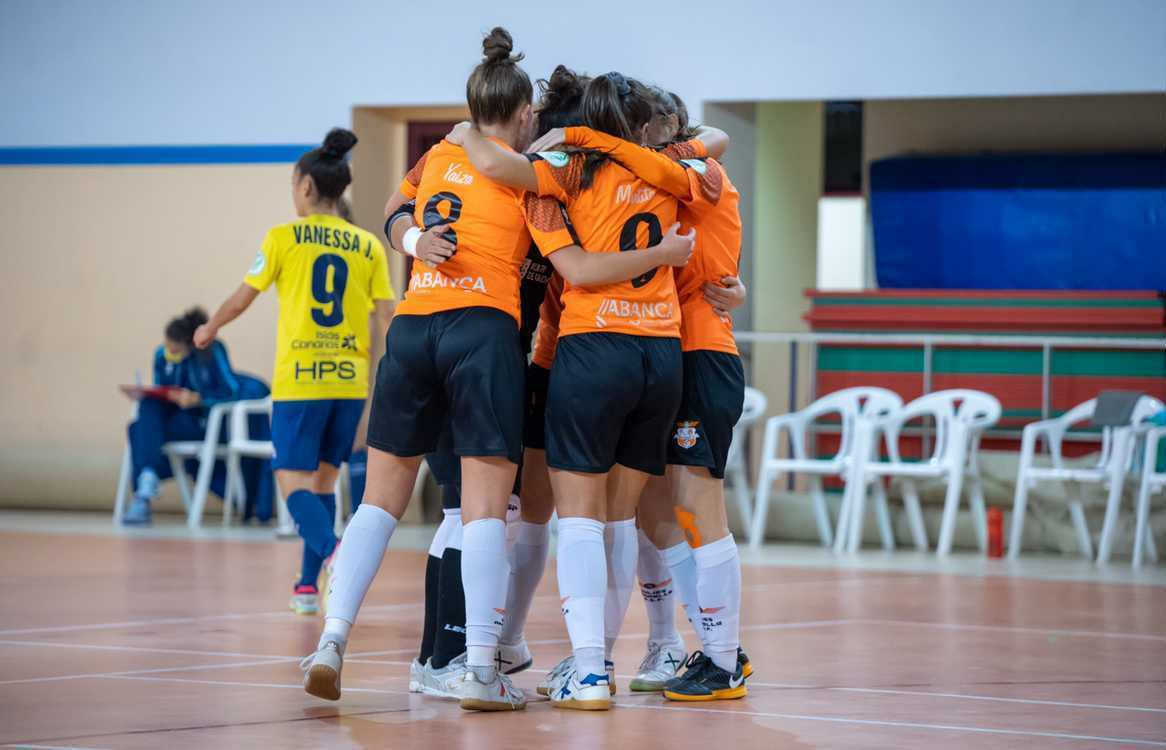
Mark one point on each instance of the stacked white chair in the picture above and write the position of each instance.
(1110, 471)
(960, 417)
(735, 471)
(858, 409)
(1153, 481)
(206, 451)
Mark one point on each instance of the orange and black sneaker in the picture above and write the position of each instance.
(744, 663)
(705, 681)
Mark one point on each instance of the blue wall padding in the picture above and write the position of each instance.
(1020, 222)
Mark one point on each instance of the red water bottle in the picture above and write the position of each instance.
(995, 532)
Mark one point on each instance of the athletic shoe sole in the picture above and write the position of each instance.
(545, 692)
(321, 681)
(645, 686)
(599, 704)
(477, 704)
(727, 694)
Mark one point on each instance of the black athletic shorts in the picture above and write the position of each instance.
(534, 434)
(612, 399)
(461, 366)
(714, 394)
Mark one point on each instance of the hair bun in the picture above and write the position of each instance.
(195, 317)
(622, 87)
(498, 45)
(338, 143)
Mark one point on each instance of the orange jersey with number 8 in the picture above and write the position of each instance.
(486, 224)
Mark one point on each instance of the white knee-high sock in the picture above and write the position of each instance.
(513, 519)
(357, 561)
(582, 572)
(450, 521)
(680, 564)
(656, 588)
(528, 559)
(485, 575)
(718, 590)
(621, 548)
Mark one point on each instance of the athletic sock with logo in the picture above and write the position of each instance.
(718, 590)
(450, 521)
(449, 639)
(313, 521)
(528, 559)
(582, 573)
(656, 588)
(357, 562)
(312, 562)
(681, 565)
(620, 548)
(513, 521)
(485, 575)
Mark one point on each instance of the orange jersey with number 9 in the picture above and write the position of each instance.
(617, 212)
(486, 222)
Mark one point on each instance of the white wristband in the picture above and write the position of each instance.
(412, 234)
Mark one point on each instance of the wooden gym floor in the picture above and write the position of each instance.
(111, 641)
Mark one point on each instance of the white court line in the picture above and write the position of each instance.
(971, 697)
(795, 717)
(138, 649)
(48, 747)
(902, 724)
(249, 684)
(1014, 629)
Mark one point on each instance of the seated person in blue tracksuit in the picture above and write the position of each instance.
(203, 379)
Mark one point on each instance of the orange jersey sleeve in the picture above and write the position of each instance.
(660, 168)
(547, 221)
(715, 212)
(412, 178)
(547, 336)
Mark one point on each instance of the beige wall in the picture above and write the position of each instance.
(93, 262)
(1047, 123)
(788, 182)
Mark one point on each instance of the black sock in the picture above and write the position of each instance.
(432, 571)
(450, 639)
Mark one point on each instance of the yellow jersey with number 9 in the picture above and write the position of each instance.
(328, 273)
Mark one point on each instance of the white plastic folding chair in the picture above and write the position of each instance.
(1110, 470)
(242, 445)
(207, 451)
(735, 471)
(960, 416)
(1153, 481)
(857, 408)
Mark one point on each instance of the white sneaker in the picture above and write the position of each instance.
(416, 675)
(544, 687)
(496, 695)
(581, 693)
(322, 672)
(662, 662)
(443, 683)
(513, 658)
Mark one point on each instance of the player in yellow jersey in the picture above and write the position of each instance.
(334, 300)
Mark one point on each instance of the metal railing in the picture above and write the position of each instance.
(929, 342)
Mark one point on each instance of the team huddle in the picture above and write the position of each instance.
(564, 346)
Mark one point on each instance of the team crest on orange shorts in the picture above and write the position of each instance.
(686, 434)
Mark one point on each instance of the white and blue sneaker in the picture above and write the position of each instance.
(571, 690)
(544, 687)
